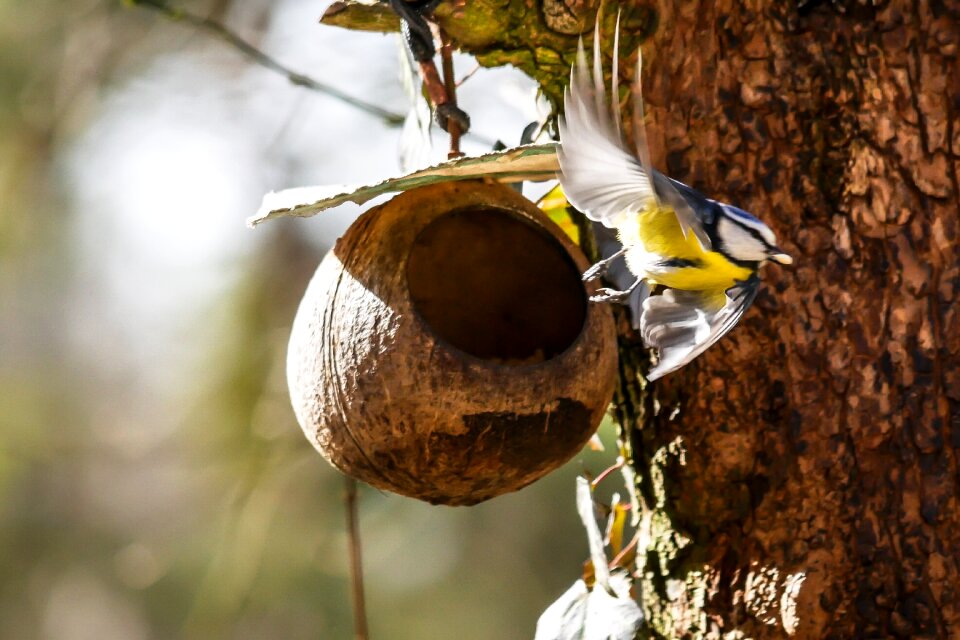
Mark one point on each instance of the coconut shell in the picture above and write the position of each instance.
(446, 349)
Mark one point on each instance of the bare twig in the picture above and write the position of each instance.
(356, 565)
(259, 57)
(450, 82)
(468, 75)
(620, 557)
(606, 472)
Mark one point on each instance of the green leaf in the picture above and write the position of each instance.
(529, 162)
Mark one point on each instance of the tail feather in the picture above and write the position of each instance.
(683, 324)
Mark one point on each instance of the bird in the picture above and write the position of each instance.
(694, 261)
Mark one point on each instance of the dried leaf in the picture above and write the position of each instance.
(608, 611)
(581, 614)
(566, 618)
(615, 524)
(595, 443)
(586, 509)
(362, 15)
(533, 162)
(613, 616)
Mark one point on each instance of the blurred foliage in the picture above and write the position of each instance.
(153, 480)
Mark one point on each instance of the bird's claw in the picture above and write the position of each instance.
(605, 294)
(598, 270)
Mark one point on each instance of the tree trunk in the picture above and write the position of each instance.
(800, 478)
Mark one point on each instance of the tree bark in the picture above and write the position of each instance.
(800, 478)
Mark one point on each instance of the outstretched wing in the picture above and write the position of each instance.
(599, 176)
(683, 324)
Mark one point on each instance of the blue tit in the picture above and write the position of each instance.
(706, 254)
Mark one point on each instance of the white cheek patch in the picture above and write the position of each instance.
(739, 242)
(746, 220)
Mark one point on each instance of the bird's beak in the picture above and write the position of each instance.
(781, 257)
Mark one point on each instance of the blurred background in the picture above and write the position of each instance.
(153, 481)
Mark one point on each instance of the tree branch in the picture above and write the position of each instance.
(259, 57)
(450, 84)
(356, 564)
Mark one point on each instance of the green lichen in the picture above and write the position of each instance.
(361, 16)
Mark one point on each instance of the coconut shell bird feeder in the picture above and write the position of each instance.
(445, 348)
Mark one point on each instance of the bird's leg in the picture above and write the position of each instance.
(600, 268)
(612, 295)
(419, 38)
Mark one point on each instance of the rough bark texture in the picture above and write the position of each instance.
(801, 477)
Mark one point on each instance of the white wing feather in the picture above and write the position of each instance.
(599, 176)
(683, 324)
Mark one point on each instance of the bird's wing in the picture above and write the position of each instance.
(687, 202)
(683, 324)
(599, 176)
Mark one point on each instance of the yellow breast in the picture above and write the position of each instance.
(657, 238)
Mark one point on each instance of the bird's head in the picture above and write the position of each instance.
(743, 238)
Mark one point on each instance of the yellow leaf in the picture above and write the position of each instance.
(555, 205)
(618, 518)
